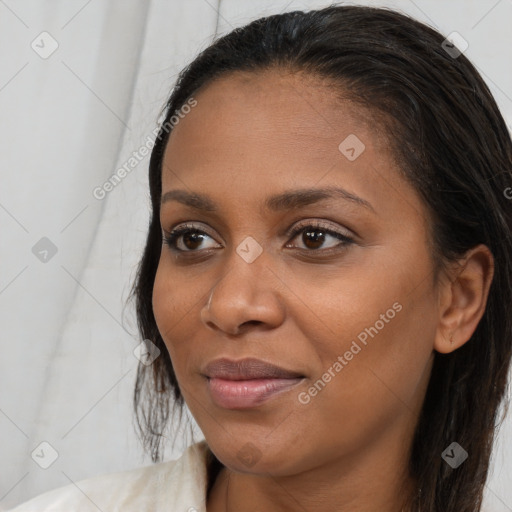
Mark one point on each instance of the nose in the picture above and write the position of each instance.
(248, 295)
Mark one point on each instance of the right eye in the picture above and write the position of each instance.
(185, 238)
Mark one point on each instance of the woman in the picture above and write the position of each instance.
(327, 275)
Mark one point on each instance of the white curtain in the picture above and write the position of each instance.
(81, 85)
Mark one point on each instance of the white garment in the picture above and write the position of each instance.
(177, 485)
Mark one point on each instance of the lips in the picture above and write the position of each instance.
(247, 383)
(247, 369)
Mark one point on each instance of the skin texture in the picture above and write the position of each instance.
(253, 135)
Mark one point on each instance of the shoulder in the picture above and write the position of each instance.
(168, 486)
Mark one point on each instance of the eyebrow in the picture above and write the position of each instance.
(289, 200)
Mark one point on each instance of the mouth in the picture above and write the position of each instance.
(247, 383)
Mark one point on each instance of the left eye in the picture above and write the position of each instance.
(314, 236)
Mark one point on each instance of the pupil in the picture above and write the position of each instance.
(194, 238)
(317, 239)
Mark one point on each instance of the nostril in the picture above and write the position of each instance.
(252, 322)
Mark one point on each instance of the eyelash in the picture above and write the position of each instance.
(171, 238)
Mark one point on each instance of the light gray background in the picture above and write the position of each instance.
(67, 123)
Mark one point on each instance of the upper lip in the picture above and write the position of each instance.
(245, 369)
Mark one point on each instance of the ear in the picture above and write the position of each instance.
(463, 298)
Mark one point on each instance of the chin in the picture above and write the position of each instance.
(245, 456)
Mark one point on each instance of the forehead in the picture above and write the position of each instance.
(277, 114)
(261, 99)
(281, 88)
(252, 135)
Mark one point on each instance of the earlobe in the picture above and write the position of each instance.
(463, 299)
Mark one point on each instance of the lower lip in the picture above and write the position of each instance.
(242, 394)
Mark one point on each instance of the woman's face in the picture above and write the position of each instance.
(348, 305)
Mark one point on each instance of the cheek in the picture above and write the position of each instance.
(383, 371)
(382, 323)
(396, 341)
(177, 300)
(165, 304)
